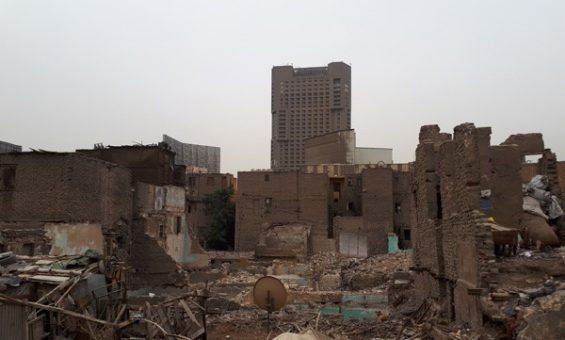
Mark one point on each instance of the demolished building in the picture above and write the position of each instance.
(63, 203)
(353, 209)
(463, 183)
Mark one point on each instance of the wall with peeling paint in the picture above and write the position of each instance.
(74, 239)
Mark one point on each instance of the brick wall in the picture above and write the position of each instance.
(197, 187)
(377, 200)
(265, 198)
(65, 188)
(148, 164)
(452, 242)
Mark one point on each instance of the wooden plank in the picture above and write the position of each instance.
(149, 314)
(184, 305)
(8, 299)
(164, 320)
(120, 313)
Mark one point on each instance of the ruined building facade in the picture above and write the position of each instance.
(306, 102)
(351, 209)
(265, 198)
(462, 183)
(63, 203)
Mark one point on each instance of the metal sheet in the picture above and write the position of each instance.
(12, 322)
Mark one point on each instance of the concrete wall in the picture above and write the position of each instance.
(331, 148)
(265, 198)
(373, 156)
(74, 239)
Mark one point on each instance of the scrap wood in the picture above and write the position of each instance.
(59, 287)
(120, 313)
(67, 291)
(183, 297)
(5, 298)
(91, 331)
(197, 333)
(165, 332)
(149, 314)
(164, 319)
(189, 312)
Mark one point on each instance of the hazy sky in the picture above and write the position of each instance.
(74, 73)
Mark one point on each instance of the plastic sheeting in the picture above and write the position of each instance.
(540, 201)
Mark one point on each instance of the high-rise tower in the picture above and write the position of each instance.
(306, 102)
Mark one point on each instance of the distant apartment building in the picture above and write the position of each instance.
(6, 147)
(306, 102)
(194, 155)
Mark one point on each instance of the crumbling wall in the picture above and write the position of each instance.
(67, 188)
(74, 239)
(152, 266)
(284, 241)
(528, 144)
(548, 166)
(265, 198)
(149, 164)
(25, 238)
(427, 237)
(459, 183)
(160, 213)
(561, 175)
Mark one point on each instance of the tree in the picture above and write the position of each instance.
(220, 209)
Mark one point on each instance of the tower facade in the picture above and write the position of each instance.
(306, 102)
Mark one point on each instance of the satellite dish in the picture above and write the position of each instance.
(269, 294)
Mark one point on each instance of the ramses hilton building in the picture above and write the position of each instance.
(307, 102)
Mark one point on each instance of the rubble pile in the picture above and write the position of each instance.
(375, 271)
(86, 296)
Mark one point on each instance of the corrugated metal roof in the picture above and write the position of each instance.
(12, 322)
